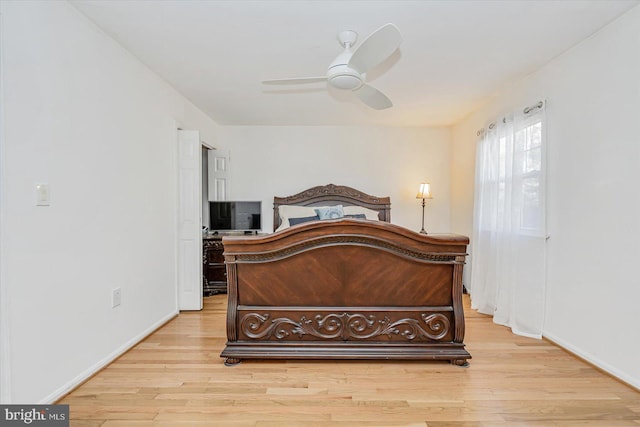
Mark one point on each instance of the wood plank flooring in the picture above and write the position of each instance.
(176, 377)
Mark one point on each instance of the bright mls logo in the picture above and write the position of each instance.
(35, 415)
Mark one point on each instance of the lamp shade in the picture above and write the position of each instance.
(425, 191)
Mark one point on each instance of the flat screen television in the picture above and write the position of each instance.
(235, 216)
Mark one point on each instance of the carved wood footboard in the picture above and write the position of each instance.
(345, 289)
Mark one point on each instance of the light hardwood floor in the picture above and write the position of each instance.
(176, 377)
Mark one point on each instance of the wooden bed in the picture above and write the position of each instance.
(345, 288)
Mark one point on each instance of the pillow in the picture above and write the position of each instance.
(330, 212)
(296, 221)
(356, 210)
(359, 216)
(291, 211)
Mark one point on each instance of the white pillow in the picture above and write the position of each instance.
(355, 210)
(291, 211)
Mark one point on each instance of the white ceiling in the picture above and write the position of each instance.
(455, 54)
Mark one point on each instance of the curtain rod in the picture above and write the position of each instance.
(526, 110)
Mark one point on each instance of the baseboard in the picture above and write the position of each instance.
(597, 363)
(88, 373)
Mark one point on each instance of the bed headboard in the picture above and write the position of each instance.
(330, 195)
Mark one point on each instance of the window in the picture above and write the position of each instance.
(511, 176)
(529, 176)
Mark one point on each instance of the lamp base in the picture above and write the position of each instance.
(423, 231)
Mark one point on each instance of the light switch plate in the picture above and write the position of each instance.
(43, 196)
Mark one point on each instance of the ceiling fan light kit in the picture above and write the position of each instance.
(347, 71)
(343, 77)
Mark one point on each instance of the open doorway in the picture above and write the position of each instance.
(215, 189)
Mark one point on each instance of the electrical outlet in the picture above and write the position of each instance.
(116, 297)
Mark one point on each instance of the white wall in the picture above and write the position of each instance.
(83, 115)
(268, 161)
(593, 113)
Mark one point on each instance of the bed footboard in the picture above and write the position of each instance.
(345, 289)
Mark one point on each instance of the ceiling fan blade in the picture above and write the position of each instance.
(373, 97)
(376, 48)
(295, 81)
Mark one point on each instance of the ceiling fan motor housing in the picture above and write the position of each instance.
(341, 76)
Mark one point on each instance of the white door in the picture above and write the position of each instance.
(218, 175)
(189, 220)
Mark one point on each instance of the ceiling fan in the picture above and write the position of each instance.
(348, 70)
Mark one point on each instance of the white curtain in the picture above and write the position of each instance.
(509, 233)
